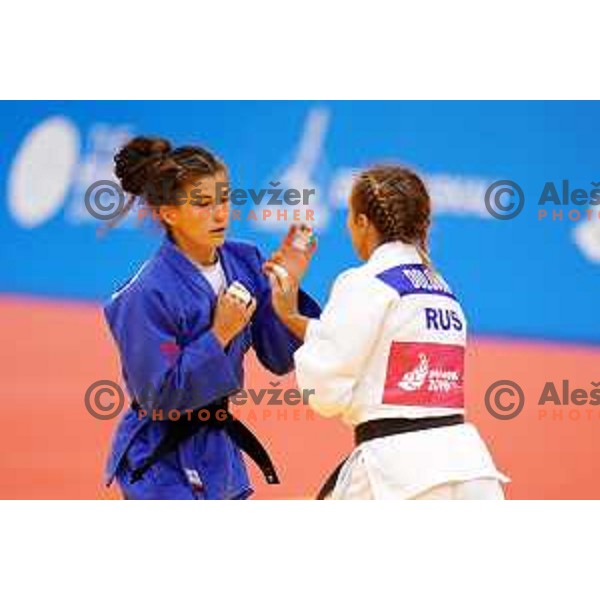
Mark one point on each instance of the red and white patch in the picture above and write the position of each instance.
(425, 374)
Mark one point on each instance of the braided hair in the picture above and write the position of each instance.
(396, 202)
(150, 169)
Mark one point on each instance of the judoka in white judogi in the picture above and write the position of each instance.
(390, 344)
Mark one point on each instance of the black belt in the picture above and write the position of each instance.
(380, 428)
(179, 431)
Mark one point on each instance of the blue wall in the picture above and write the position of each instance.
(521, 277)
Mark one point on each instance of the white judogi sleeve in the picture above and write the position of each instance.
(337, 346)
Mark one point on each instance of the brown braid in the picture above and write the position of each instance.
(396, 201)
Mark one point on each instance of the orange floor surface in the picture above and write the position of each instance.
(51, 447)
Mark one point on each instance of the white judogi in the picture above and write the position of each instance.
(390, 343)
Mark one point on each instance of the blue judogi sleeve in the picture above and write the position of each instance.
(198, 373)
(272, 341)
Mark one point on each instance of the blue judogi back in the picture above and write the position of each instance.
(161, 321)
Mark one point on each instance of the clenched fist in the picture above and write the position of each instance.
(232, 314)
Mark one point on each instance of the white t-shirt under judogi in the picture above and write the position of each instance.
(215, 276)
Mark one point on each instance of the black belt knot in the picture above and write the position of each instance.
(179, 431)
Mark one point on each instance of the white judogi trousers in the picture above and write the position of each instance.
(359, 488)
(447, 463)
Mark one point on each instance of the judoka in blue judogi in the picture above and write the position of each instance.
(171, 361)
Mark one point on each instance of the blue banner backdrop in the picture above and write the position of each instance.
(526, 277)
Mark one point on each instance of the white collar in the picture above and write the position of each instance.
(392, 253)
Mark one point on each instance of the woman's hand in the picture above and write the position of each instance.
(284, 297)
(284, 290)
(231, 316)
(295, 262)
(278, 257)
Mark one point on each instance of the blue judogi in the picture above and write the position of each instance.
(161, 321)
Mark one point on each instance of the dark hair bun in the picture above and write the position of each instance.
(134, 160)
